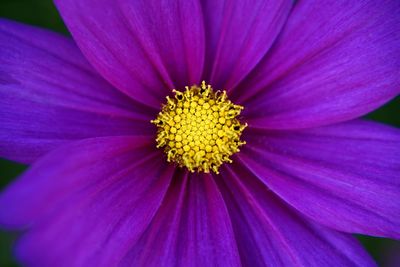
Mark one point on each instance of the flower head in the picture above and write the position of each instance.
(298, 74)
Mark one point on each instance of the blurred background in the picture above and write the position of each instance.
(43, 13)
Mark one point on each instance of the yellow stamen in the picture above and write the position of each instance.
(198, 128)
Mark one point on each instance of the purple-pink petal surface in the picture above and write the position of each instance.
(192, 228)
(333, 61)
(50, 95)
(96, 207)
(344, 176)
(239, 34)
(269, 233)
(144, 48)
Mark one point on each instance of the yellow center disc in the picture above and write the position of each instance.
(199, 129)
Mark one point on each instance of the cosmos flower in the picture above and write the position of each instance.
(112, 184)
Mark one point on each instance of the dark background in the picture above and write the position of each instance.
(44, 14)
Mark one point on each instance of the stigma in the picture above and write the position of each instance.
(199, 129)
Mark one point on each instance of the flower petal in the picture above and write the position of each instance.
(334, 61)
(269, 233)
(344, 176)
(144, 47)
(49, 95)
(239, 33)
(84, 208)
(191, 228)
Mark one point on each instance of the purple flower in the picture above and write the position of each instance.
(99, 192)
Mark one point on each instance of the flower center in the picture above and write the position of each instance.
(198, 128)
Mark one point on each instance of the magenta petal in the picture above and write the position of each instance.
(239, 33)
(345, 176)
(334, 61)
(64, 171)
(49, 95)
(85, 208)
(144, 47)
(191, 228)
(269, 233)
